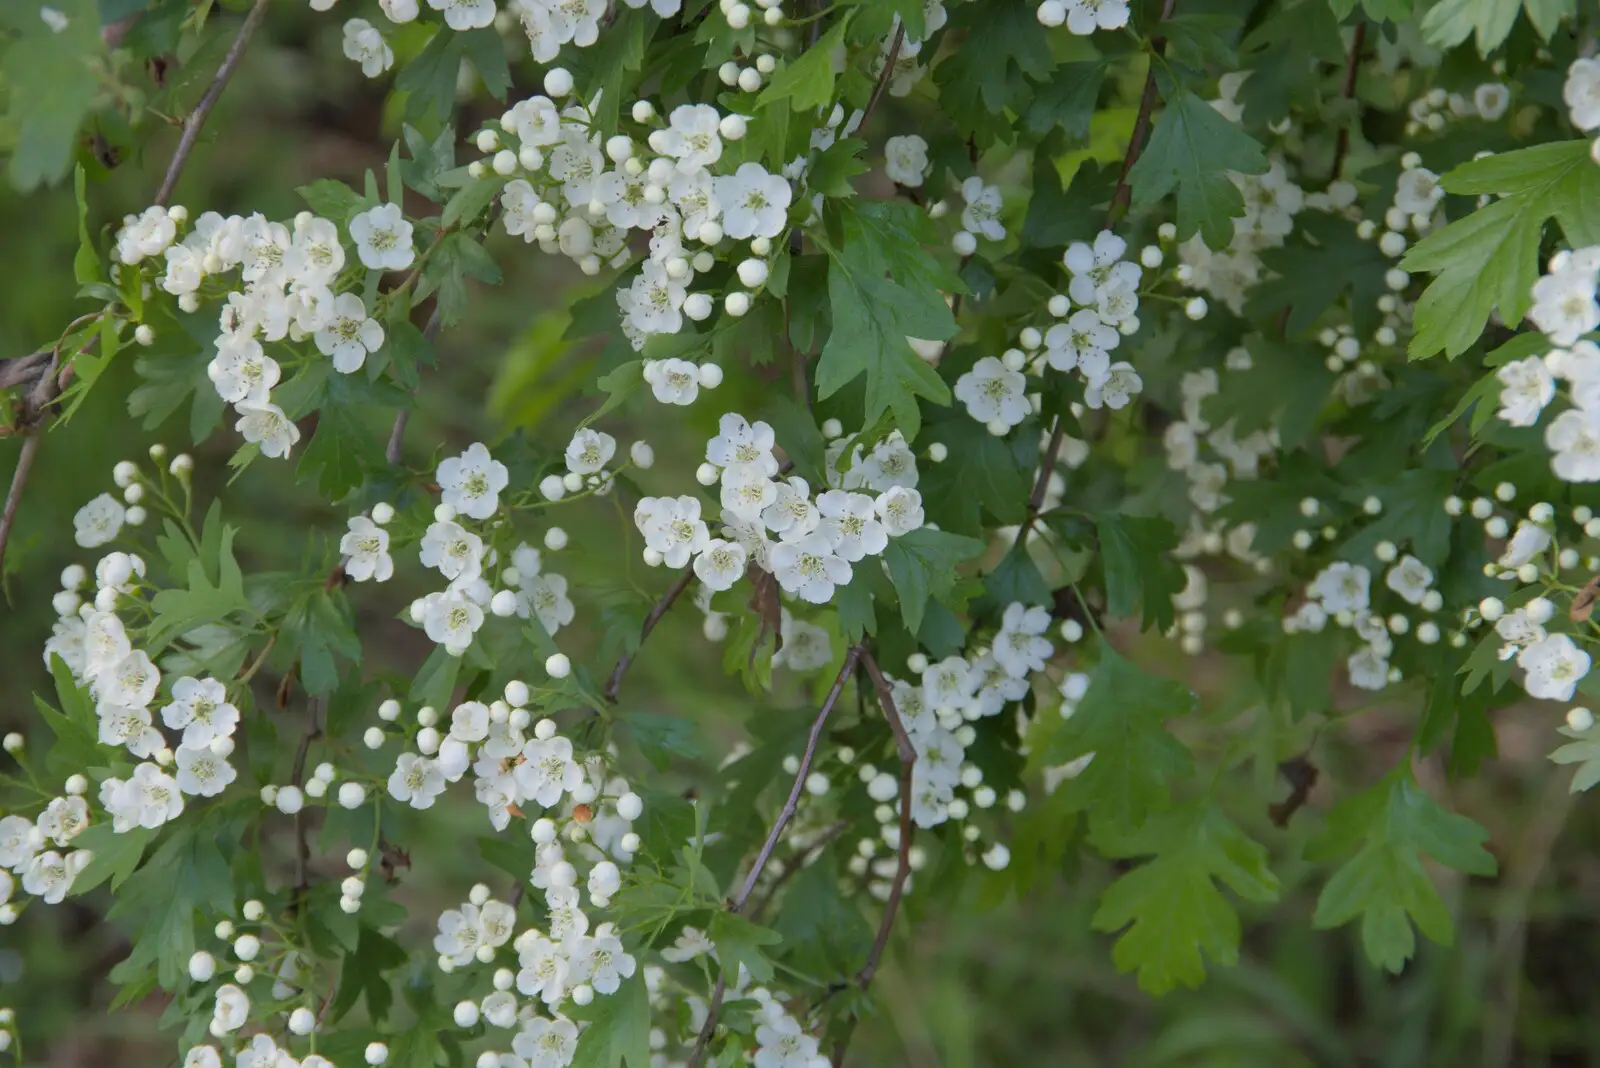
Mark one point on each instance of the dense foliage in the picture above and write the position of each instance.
(977, 341)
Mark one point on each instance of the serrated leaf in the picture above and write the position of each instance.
(1121, 720)
(204, 601)
(49, 87)
(1377, 10)
(619, 1030)
(1134, 551)
(487, 51)
(1583, 751)
(116, 856)
(1174, 914)
(1191, 150)
(806, 81)
(1067, 101)
(922, 564)
(332, 199)
(362, 974)
(1489, 261)
(1390, 827)
(1489, 22)
(739, 942)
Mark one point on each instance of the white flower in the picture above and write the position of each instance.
(472, 482)
(130, 681)
(146, 235)
(546, 1043)
(416, 780)
(692, 942)
(1086, 16)
(809, 567)
(201, 710)
(982, 212)
(656, 300)
(544, 969)
(546, 597)
(589, 451)
(241, 372)
(720, 564)
(792, 514)
(1083, 341)
(349, 334)
(1529, 541)
(454, 550)
(672, 527)
(891, 463)
(673, 381)
(315, 255)
(602, 963)
(366, 545)
(547, 770)
(1120, 384)
(754, 203)
(1418, 191)
(906, 160)
(104, 642)
(994, 394)
(63, 820)
(747, 493)
(470, 721)
(1564, 304)
(741, 444)
(900, 509)
(382, 234)
(451, 619)
(805, 645)
(128, 725)
(1093, 266)
(231, 1010)
(17, 844)
(783, 1045)
(1574, 437)
(1554, 668)
(1491, 99)
(465, 14)
(849, 520)
(1342, 587)
(365, 45)
(1410, 578)
(1020, 647)
(1582, 93)
(203, 1057)
(201, 772)
(267, 426)
(1526, 386)
(692, 137)
(1368, 669)
(99, 521)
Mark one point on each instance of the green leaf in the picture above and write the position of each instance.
(178, 611)
(1584, 751)
(49, 87)
(1121, 720)
(86, 261)
(340, 452)
(1175, 915)
(1067, 102)
(430, 79)
(1191, 150)
(1322, 260)
(661, 737)
(1377, 10)
(436, 680)
(1390, 827)
(980, 476)
(987, 76)
(739, 941)
(468, 202)
(922, 564)
(362, 973)
(618, 385)
(806, 81)
(619, 1030)
(1489, 261)
(332, 199)
(487, 51)
(116, 856)
(799, 438)
(1134, 551)
(1450, 22)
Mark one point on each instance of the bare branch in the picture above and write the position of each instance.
(1141, 125)
(885, 75)
(197, 118)
(1348, 91)
(19, 481)
(625, 661)
(736, 905)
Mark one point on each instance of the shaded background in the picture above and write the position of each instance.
(1023, 983)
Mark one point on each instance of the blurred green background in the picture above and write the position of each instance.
(1024, 983)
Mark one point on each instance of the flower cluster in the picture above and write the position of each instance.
(295, 287)
(1564, 309)
(818, 536)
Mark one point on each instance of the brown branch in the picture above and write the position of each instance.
(908, 761)
(1348, 91)
(302, 848)
(19, 480)
(202, 110)
(884, 75)
(1141, 125)
(798, 863)
(736, 905)
(1041, 484)
(625, 661)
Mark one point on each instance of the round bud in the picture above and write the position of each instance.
(1580, 719)
(652, 558)
(734, 127)
(698, 306)
(1151, 256)
(143, 334)
(376, 1053)
(246, 947)
(558, 82)
(752, 273)
(503, 603)
(1051, 13)
(739, 18)
(707, 474)
(373, 738)
(630, 806)
(964, 243)
(1195, 308)
(351, 795)
(938, 451)
(572, 482)
(487, 141)
(736, 304)
(289, 800)
(202, 966)
(302, 1021)
(1491, 609)
(643, 111)
(552, 488)
(466, 1014)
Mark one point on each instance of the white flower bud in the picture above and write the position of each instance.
(302, 1021)
(466, 1014)
(558, 82)
(246, 947)
(373, 738)
(376, 1053)
(557, 666)
(964, 243)
(202, 966)
(503, 603)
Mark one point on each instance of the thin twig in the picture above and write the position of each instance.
(19, 479)
(1041, 484)
(1348, 91)
(302, 848)
(625, 661)
(396, 448)
(798, 863)
(1141, 125)
(736, 905)
(202, 110)
(884, 75)
(908, 761)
